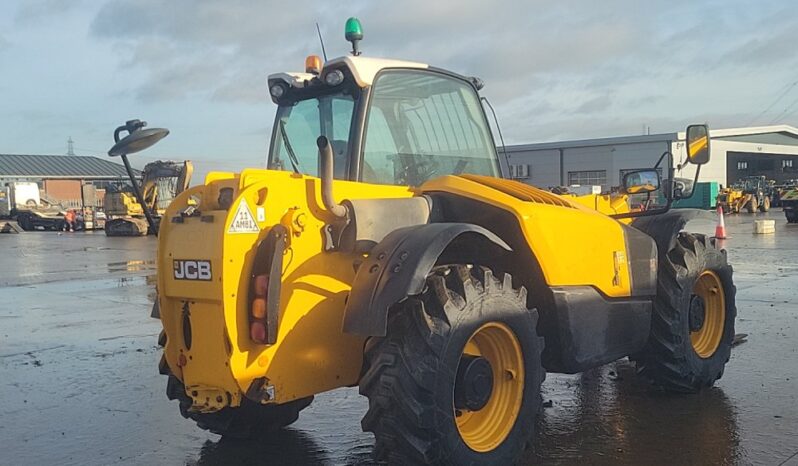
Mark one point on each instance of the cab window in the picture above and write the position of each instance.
(422, 125)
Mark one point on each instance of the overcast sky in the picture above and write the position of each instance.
(553, 70)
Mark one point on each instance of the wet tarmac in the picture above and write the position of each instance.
(79, 383)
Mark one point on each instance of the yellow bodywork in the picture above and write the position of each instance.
(312, 353)
(732, 200)
(562, 238)
(122, 204)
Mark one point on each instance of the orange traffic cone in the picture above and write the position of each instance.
(720, 230)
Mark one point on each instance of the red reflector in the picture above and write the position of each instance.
(257, 331)
(259, 308)
(261, 285)
(181, 360)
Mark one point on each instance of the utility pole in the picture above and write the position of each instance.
(70, 146)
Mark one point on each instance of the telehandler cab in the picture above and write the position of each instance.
(382, 248)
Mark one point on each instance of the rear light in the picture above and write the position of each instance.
(257, 326)
(261, 285)
(259, 308)
(257, 331)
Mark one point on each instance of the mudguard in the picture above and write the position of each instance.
(663, 228)
(398, 266)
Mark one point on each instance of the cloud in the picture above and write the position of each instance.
(595, 104)
(33, 11)
(618, 63)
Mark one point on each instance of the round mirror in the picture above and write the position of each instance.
(138, 141)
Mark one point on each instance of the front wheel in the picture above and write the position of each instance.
(692, 326)
(751, 206)
(765, 204)
(456, 380)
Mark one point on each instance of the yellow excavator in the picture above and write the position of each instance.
(161, 182)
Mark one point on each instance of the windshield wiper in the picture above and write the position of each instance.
(291, 154)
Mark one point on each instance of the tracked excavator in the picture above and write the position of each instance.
(161, 182)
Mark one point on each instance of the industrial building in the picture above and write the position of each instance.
(737, 152)
(69, 180)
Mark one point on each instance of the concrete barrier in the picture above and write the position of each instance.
(764, 227)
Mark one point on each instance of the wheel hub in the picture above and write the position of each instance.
(474, 383)
(697, 313)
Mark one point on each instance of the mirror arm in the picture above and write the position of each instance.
(659, 161)
(695, 179)
(671, 184)
(116, 133)
(139, 196)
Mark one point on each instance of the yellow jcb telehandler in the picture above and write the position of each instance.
(383, 248)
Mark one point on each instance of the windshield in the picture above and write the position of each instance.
(297, 127)
(422, 125)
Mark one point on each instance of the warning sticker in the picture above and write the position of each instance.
(243, 221)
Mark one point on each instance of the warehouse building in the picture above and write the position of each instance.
(70, 180)
(737, 152)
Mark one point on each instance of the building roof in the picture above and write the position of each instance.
(777, 135)
(75, 167)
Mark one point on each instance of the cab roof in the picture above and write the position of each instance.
(363, 69)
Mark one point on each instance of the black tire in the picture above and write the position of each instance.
(752, 204)
(765, 204)
(247, 421)
(792, 216)
(410, 373)
(669, 359)
(24, 221)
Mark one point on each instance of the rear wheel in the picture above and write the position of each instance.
(456, 380)
(250, 420)
(692, 326)
(792, 216)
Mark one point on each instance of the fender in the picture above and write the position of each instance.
(398, 267)
(664, 227)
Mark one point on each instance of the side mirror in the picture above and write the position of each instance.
(641, 182)
(698, 144)
(137, 139)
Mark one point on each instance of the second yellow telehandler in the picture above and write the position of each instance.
(383, 248)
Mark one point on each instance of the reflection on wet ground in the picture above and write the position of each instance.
(79, 384)
(613, 417)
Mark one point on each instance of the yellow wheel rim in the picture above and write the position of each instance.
(484, 430)
(706, 339)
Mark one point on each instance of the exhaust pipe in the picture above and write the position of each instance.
(326, 158)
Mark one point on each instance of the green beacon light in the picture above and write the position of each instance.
(353, 32)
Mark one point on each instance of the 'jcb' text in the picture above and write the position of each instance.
(192, 270)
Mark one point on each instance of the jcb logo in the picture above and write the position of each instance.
(192, 270)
